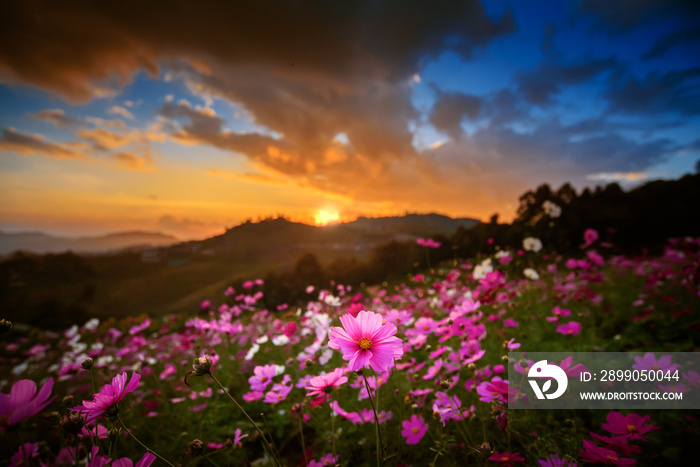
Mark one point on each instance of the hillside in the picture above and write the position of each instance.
(38, 242)
(48, 289)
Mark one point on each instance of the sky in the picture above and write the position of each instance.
(191, 117)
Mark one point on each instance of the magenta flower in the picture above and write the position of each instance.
(145, 461)
(589, 237)
(570, 328)
(24, 454)
(510, 323)
(365, 340)
(414, 429)
(595, 454)
(23, 402)
(262, 377)
(238, 438)
(321, 386)
(107, 400)
(507, 458)
(326, 460)
(650, 363)
(555, 461)
(632, 425)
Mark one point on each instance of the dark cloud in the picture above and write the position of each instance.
(451, 108)
(21, 143)
(58, 118)
(666, 43)
(78, 48)
(657, 93)
(617, 17)
(546, 80)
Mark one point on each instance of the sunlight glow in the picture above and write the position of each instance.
(326, 217)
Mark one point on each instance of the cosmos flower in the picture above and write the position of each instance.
(532, 244)
(570, 328)
(321, 386)
(650, 363)
(632, 425)
(23, 402)
(326, 460)
(595, 454)
(414, 429)
(506, 458)
(589, 237)
(145, 461)
(531, 274)
(555, 461)
(107, 400)
(365, 340)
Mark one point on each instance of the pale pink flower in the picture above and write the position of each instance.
(365, 340)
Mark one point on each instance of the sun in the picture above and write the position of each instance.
(326, 217)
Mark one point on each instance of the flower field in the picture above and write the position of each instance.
(412, 373)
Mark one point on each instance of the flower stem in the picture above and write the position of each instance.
(332, 428)
(92, 380)
(143, 445)
(267, 446)
(210, 461)
(377, 431)
(301, 433)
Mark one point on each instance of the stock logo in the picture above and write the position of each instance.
(542, 369)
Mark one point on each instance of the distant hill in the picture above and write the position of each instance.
(361, 234)
(38, 242)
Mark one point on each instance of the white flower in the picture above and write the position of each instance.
(551, 209)
(531, 274)
(92, 324)
(480, 270)
(532, 244)
(280, 339)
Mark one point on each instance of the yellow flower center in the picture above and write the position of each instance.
(414, 430)
(365, 343)
(631, 428)
(504, 458)
(655, 367)
(611, 457)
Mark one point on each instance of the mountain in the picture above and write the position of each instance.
(38, 242)
(361, 234)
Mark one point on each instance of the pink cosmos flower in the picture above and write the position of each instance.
(238, 437)
(589, 237)
(555, 461)
(632, 425)
(595, 454)
(262, 377)
(321, 386)
(107, 400)
(23, 402)
(24, 454)
(326, 460)
(414, 429)
(649, 362)
(619, 443)
(570, 328)
(145, 461)
(510, 323)
(365, 340)
(507, 458)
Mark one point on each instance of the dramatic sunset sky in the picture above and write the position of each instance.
(187, 117)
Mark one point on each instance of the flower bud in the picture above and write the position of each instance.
(471, 367)
(200, 366)
(86, 364)
(484, 448)
(5, 326)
